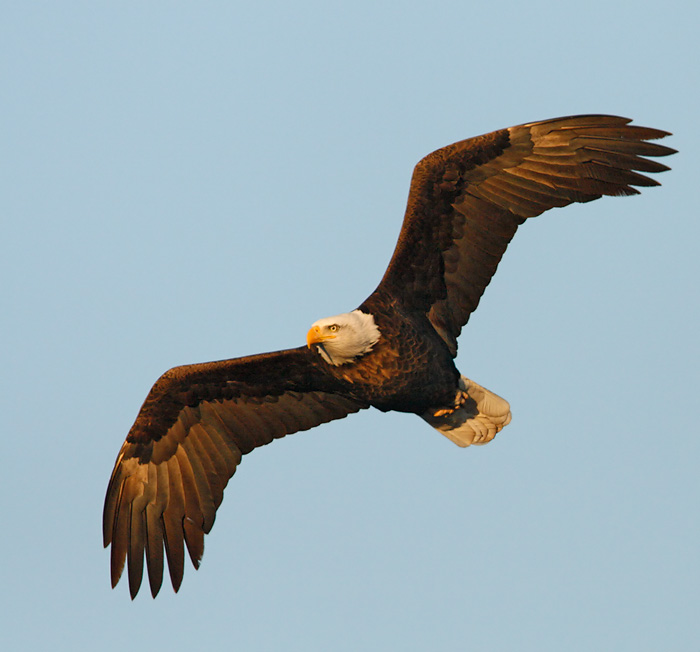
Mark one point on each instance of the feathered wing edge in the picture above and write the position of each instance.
(467, 200)
(186, 443)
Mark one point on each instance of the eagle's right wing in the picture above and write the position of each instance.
(196, 423)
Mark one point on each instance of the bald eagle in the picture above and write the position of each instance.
(394, 352)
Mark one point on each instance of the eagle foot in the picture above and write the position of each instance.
(477, 416)
(461, 397)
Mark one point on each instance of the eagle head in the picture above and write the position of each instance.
(343, 338)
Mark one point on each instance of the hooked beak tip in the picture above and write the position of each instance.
(313, 336)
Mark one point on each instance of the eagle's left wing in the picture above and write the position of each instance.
(468, 199)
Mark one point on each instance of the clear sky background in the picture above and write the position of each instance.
(184, 182)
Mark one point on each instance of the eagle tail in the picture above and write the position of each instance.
(476, 418)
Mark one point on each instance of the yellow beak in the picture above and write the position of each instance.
(314, 336)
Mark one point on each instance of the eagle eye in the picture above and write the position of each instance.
(333, 328)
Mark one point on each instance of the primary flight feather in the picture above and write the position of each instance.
(395, 352)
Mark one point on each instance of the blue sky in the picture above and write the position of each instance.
(187, 182)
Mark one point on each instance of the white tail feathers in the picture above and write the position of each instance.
(476, 418)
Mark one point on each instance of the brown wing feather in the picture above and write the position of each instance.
(468, 199)
(186, 443)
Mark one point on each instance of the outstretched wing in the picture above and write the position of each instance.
(186, 443)
(467, 200)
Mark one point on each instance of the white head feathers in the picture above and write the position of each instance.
(342, 338)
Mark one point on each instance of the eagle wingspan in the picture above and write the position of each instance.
(465, 204)
(189, 436)
(467, 200)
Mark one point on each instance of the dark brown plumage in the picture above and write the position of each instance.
(465, 204)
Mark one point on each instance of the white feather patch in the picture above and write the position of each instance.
(356, 334)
